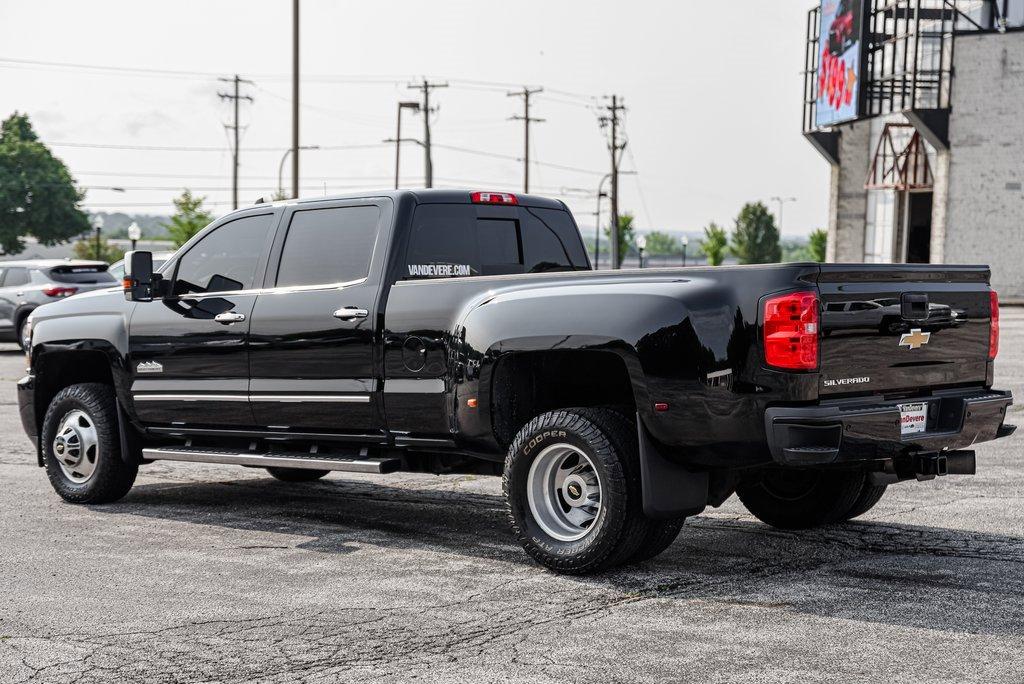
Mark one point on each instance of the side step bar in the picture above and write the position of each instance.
(302, 460)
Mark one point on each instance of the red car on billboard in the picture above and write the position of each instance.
(844, 29)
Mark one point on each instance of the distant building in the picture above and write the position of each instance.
(919, 107)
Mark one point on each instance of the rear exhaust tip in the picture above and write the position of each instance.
(961, 462)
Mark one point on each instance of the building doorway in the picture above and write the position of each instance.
(919, 227)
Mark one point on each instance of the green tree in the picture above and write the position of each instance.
(626, 235)
(715, 244)
(86, 249)
(38, 196)
(662, 243)
(817, 244)
(755, 240)
(189, 219)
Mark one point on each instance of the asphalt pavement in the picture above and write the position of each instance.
(223, 574)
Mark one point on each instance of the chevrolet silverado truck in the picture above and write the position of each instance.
(446, 331)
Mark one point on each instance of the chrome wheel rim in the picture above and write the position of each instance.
(76, 446)
(564, 492)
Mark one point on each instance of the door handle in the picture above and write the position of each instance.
(229, 318)
(348, 313)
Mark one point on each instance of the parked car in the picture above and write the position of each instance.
(25, 285)
(448, 331)
(159, 259)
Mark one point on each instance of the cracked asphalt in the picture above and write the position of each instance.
(221, 574)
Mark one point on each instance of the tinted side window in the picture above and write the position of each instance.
(328, 246)
(16, 276)
(552, 241)
(226, 259)
(81, 274)
(442, 242)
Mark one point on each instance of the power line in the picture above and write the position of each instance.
(193, 148)
(525, 93)
(235, 98)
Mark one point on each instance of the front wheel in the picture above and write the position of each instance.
(794, 499)
(572, 487)
(82, 446)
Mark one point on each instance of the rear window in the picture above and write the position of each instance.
(452, 240)
(81, 274)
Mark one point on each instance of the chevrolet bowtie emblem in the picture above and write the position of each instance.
(915, 339)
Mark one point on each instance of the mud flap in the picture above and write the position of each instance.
(669, 489)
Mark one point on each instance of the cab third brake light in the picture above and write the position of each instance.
(494, 198)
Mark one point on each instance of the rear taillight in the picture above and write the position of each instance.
(993, 331)
(57, 291)
(494, 198)
(791, 331)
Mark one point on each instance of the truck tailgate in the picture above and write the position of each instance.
(900, 327)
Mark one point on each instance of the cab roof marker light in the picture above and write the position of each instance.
(494, 198)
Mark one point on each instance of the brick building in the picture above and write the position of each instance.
(922, 122)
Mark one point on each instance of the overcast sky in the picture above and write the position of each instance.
(713, 92)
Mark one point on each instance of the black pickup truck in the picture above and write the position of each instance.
(448, 331)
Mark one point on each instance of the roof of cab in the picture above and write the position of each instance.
(427, 196)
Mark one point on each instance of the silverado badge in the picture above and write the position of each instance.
(915, 339)
(149, 367)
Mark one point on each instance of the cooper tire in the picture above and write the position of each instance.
(297, 474)
(81, 424)
(659, 536)
(869, 496)
(793, 499)
(596, 449)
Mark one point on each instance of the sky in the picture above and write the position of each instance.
(712, 89)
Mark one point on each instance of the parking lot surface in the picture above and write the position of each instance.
(223, 574)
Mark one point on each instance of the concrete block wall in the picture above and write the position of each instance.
(848, 200)
(985, 211)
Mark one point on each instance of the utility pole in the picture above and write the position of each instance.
(616, 148)
(525, 118)
(236, 97)
(426, 87)
(295, 98)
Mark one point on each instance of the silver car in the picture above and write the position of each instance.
(25, 285)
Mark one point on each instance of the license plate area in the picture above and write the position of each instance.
(913, 418)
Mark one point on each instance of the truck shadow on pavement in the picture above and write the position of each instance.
(927, 577)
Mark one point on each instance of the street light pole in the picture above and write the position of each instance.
(415, 106)
(641, 245)
(782, 201)
(686, 242)
(280, 169)
(97, 224)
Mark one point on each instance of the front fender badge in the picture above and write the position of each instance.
(149, 367)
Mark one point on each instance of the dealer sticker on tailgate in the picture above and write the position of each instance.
(913, 418)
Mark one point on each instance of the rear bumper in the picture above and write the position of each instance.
(859, 430)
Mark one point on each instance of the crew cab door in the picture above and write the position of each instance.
(314, 346)
(189, 361)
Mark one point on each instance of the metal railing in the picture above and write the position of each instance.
(908, 51)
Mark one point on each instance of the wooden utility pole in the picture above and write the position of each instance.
(426, 87)
(295, 98)
(616, 148)
(527, 120)
(235, 97)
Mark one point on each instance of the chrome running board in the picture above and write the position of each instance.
(302, 460)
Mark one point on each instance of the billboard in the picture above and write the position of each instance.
(840, 47)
